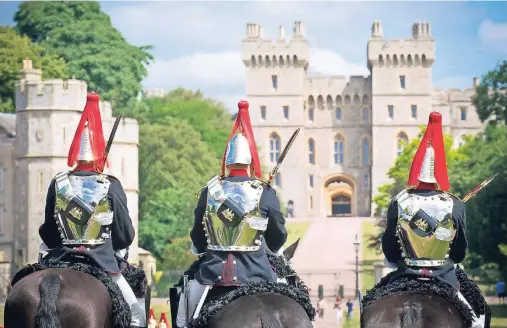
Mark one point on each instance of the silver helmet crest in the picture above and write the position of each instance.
(238, 151)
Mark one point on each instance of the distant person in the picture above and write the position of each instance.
(320, 308)
(338, 309)
(290, 209)
(350, 306)
(500, 291)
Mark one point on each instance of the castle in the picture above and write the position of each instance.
(34, 144)
(352, 129)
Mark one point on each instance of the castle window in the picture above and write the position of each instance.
(1, 177)
(311, 151)
(311, 202)
(366, 181)
(366, 152)
(274, 81)
(401, 142)
(413, 109)
(390, 111)
(123, 167)
(263, 112)
(463, 112)
(286, 112)
(310, 180)
(402, 81)
(338, 114)
(274, 148)
(278, 180)
(310, 114)
(339, 150)
(366, 114)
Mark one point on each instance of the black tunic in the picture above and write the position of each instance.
(458, 249)
(122, 230)
(222, 267)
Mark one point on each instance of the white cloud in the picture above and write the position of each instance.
(197, 70)
(494, 34)
(221, 74)
(325, 61)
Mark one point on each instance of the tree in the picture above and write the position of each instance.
(490, 99)
(93, 49)
(15, 48)
(174, 164)
(204, 115)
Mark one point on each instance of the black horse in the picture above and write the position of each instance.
(58, 294)
(412, 310)
(269, 308)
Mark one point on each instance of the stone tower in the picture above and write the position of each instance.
(275, 76)
(47, 114)
(401, 75)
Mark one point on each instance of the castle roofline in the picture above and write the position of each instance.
(8, 123)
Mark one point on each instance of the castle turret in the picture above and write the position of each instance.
(401, 75)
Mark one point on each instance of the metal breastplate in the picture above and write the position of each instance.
(425, 228)
(82, 210)
(232, 220)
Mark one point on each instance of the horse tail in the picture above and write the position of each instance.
(47, 316)
(411, 315)
(271, 321)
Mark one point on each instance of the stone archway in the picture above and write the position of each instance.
(340, 200)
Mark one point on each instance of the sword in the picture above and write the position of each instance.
(282, 156)
(111, 136)
(481, 186)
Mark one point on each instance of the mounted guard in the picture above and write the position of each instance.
(86, 210)
(425, 234)
(238, 222)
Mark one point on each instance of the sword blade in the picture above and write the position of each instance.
(479, 187)
(111, 136)
(282, 156)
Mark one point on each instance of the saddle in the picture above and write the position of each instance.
(394, 284)
(135, 277)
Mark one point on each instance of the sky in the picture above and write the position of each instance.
(197, 44)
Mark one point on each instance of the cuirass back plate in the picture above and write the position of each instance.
(234, 222)
(425, 228)
(82, 209)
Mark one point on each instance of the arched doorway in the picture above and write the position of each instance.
(341, 205)
(340, 196)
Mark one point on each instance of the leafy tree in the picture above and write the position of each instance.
(204, 115)
(174, 164)
(490, 99)
(93, 49)
(15, 48)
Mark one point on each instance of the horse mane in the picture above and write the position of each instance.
(411, 315)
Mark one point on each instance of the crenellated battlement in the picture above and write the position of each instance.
(418, 51)
(261, 52)
(33, 93)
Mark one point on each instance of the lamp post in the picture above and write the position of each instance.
(357, 243)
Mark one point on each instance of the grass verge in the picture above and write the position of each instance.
(370, 255)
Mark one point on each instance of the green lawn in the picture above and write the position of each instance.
(370, 256)
(499, 316)
(296, 230)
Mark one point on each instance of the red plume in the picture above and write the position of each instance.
(163, 318)
(433, 136)
(91, 114)
(245, 127)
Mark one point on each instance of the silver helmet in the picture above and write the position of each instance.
(85, 147)
(238, 151)
(427, 173)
